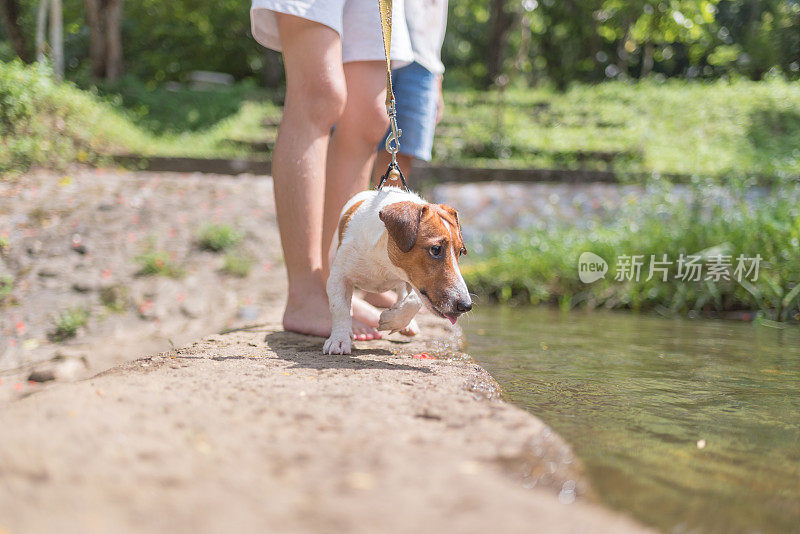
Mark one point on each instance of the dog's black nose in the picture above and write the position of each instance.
(463, 306)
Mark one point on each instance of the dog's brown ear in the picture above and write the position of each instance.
(454, 214)
(402, 221)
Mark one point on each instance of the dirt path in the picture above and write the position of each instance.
(73, 241)
(256, 431)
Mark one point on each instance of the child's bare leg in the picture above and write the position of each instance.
(351, 154)
(315, 97)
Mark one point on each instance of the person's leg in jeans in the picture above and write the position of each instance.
(315, 99)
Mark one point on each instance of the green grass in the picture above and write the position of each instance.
(68, 323)
(114, 298)
(541, 266)
(50, 124)
(218, 237)
(714, 129)
(6, 286)
(237, 265)
(176, 110)
(157, 262)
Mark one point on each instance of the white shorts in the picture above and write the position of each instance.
(357, 22)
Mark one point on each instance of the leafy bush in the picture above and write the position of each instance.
(542, 266)
(52, 124)
(218, 237)
(46, 123)
(68, 323)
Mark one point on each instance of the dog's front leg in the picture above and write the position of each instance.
(340, 297)
(401, 315)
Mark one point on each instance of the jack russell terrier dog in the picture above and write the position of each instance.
(393, 239)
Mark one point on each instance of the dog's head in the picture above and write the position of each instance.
(425, 241)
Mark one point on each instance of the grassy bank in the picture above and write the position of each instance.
(50, 124)
(711, 129)
(542, 265)
(714, 129)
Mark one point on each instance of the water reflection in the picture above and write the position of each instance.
(689, 425)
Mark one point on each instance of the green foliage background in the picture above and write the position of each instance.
(554, 41)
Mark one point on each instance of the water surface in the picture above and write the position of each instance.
(691, 426)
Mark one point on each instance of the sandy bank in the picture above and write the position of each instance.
(256, 430)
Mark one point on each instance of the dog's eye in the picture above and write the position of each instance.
(436, 251)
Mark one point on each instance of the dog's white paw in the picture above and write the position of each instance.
(338, 343)
(412, 329)
(394, 319)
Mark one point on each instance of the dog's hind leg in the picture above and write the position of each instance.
(400, 317)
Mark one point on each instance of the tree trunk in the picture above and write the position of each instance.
(114, 65)
(11, 19)
(97, 44)
(272, 70)
(57, 38)
(41, 22)
(501, 22)
(647, 60)
(623, 56)
(104, 19)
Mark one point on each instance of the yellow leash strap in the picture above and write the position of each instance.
(393, 141)
(385, 7)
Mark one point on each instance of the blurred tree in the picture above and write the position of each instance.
(531, 41)
(11, 19)
(57, 38)
(104, 18)
(171, 39)
(500, 23)
(590, 40)
(566, 36)
(757, 35)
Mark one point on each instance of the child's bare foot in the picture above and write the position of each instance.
(363, 332)
(411, 330)
(307, 312)
(381, 300)
(366, 313)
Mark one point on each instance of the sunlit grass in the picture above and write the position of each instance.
(542, 265)
(67, 324)
(714, 129)
(218, 237)
(238, 265)
(677, 127)
(157, 262)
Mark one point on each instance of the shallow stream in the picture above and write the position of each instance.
(690, 426)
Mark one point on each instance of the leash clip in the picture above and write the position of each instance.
(394, 136)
